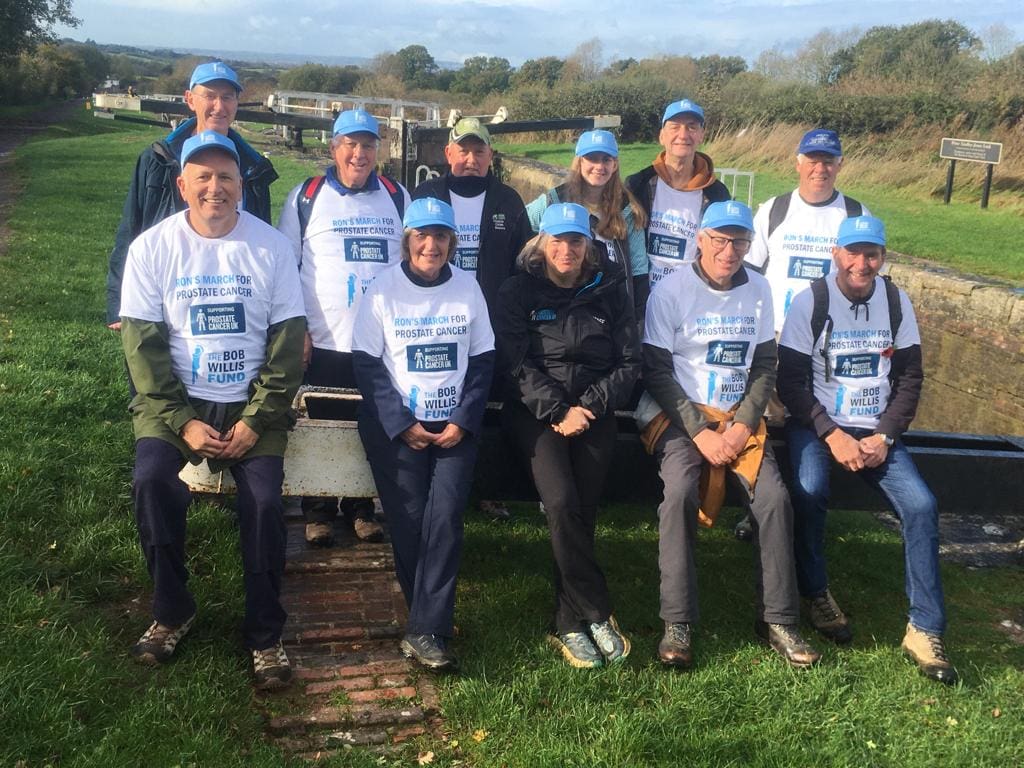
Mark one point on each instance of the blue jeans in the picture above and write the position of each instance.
(912, 501)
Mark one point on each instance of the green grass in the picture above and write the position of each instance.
(75, 591)
(959, 236)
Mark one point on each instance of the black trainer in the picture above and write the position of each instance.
(429, 651)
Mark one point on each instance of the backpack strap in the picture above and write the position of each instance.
(777, 214)
(821, 320)
(307, 195)
(396, 194)
(892, 295)
(853, 208)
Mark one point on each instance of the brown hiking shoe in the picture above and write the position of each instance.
(368, 529)
(786, 640)
(157, 643)
(676, 646)
(828, 618)
(929, 653)
(319, 534)
(271, 669)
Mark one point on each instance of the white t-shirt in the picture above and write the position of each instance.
(711, 334)
(468, 212)
(218, 296)
(672, 230)
(859, 354)
(799, 250)
(349, 239)
(425, 336)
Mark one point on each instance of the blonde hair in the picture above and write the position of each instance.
(614, 197)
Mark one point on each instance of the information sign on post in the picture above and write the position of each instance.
(988, 152)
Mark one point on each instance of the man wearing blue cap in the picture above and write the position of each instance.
(850, 374)
(490, 218)
(793, 238)
(676, 189)
(153, 193)
(212, 324)
(709, 369)
(794, 233)
(345, 226)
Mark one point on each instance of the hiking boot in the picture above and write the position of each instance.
(828, 619)
(368, 529)
(744, 530)
(157, 643)
(496, 510)
(929, 653)
(319, 534)
(429, 651)
(610, 641)
(676, 646)
(577, 649)
(786, 640)
(271, 668)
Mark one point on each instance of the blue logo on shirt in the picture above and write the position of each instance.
(857, 366)
(210, 319)
(665, 246)
(370, 249)
(731, 353)
(424, 358)
(542, 315)
(803, 268)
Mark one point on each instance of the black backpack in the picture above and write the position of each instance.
(780, 207)
(821, 320)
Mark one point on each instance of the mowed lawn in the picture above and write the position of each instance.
(75, 588)
(958, 236)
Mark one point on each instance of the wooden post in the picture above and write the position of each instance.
(986, 186)
(949, 181)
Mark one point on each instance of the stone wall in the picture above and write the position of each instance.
(972, 333)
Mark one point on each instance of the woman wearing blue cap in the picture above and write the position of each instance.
(594, 182)
(423, 354)
(569, 353)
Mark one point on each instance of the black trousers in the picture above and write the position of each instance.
(569, 474)
(424, 494)
(328, 368)
(161, 503)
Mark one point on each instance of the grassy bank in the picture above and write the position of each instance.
(905, 191)
(75, 589)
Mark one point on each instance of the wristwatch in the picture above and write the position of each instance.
(886, 439)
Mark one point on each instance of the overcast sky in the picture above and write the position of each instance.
(453, 30)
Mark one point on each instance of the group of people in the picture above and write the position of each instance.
(657, 294)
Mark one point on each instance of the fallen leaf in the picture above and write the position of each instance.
(871, 744)
(951, 721)
(997, 712)
(425, 758)
(479, 735)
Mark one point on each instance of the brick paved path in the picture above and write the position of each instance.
(353, 687)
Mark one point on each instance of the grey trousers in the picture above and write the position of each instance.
(772, 515)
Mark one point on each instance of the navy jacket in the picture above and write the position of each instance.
(153, 196)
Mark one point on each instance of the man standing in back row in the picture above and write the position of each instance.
(153, 195)
(345, 227)
(676, 189)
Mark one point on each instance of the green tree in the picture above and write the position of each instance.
(545, 71)
(24, 24)
(320, 78)
(416, 67)
(481, 75)
(96, 63)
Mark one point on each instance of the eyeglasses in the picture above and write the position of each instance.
(739, 244)
(225, 98)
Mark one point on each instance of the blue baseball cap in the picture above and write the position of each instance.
(213, 70)
(429, 212)
(861, 229)
(597, 141)
(727, 214)
(207, 140)
(820, 140)
(683, 107)
(563, 218)
(356, 121)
